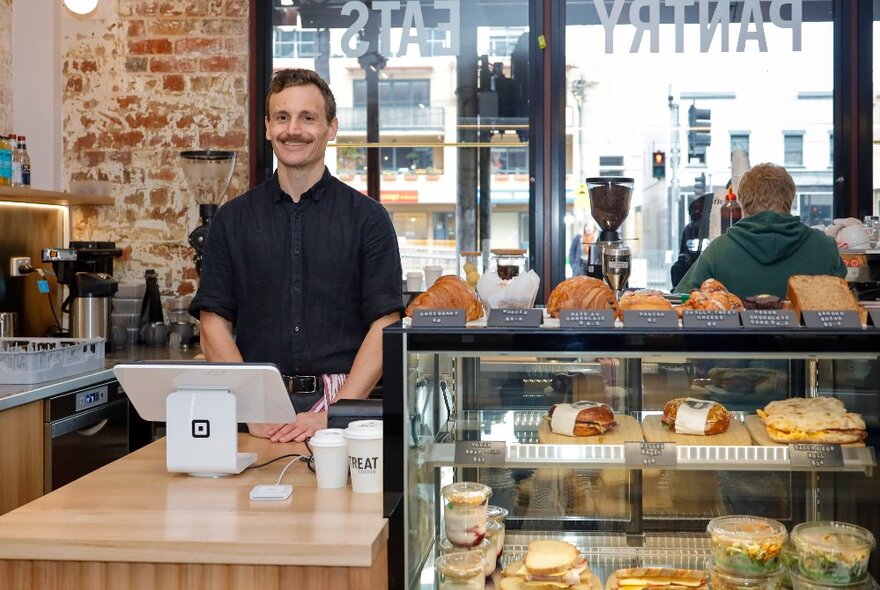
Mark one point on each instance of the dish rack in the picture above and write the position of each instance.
(33, 360)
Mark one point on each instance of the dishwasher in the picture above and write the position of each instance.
(83, 430)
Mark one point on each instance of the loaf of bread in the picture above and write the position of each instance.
(717, 419)
(580, 293)
(448, 292)
(642, 299)
(712, 295)
(821, 293)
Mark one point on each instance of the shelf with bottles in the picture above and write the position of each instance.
(22, 194)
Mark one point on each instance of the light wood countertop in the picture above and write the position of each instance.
(133, 510)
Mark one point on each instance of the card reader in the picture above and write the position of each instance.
(270, 493)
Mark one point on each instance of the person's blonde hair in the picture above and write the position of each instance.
(766, 187)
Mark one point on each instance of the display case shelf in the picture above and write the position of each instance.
(19, 194)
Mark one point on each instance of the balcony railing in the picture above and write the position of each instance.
(393, 118)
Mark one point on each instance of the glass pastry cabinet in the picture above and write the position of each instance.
(470, 405)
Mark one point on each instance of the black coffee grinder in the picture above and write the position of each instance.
(608, 258)
(208, 173)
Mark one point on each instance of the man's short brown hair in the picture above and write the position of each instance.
(300, 77)
(766, 187)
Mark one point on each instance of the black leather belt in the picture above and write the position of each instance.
(298, 384)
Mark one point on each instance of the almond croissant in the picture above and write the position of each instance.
(448, 292)
(580, 293)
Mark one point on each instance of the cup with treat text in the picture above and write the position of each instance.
(364, 439)
(465, 512)
(432, 273)
(331, 458)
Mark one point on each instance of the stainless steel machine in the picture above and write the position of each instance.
(609, 258)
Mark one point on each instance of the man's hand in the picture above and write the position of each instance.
(305, 426)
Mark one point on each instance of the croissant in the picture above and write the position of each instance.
(448, 292)
(712, 295)
(580, 293)
(642, 299)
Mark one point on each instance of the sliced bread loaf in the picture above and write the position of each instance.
(820, 293)
(547, 557)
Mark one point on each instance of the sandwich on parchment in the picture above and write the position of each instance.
(583, 418)
(685, 415)
(550, 565)
(812, 420)
(657, 578)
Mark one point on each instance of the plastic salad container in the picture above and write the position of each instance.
(748, 545)
(832, 552)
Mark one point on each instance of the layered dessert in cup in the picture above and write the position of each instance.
(495, 535)
(461, 571)
(831, 552)
(465, 512)
(747, 545)
(486, 548)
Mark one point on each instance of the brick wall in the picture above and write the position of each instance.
(6, 66)
(142, 81)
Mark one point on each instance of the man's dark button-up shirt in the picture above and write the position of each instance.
(301, 282)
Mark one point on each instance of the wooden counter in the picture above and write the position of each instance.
(132, 524)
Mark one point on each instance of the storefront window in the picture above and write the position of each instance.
(695, 83)
(452, 114)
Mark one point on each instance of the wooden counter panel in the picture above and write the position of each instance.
(74, 575)
(21, 455)
(133, 510)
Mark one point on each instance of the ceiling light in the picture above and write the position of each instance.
(81, 6)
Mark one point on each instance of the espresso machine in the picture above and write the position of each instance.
(86, 269)
(208, 173)
(608, 258)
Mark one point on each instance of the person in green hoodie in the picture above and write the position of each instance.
(769, 244)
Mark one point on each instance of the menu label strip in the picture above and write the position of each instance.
(650, 318)
(650, 454)
(482, 452)
(515, 318)
(815, 455)
(710, 320)
(831, 320)
(438, 318)
(586, 318)
(761, 319)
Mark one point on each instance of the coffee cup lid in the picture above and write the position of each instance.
(364, 429)
(328, 437)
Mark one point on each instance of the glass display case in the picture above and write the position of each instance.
(471, 404)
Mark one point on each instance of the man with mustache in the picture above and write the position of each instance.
(302, 271)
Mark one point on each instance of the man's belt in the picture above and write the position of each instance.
(301, 384)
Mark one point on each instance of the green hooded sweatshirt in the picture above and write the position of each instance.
(760, 252)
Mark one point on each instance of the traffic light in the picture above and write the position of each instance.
(659, 164)
(700, 185)
(699, 133)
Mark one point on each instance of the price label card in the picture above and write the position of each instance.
(831, 320)
(586, 318)
(760, 319)
(482, 452)
(650, 318)
(815, 455)
(708, 320)
(515, 318)
(439, 318)
(650, 454)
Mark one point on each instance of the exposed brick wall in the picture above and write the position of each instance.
(149, 80)
(6, 66)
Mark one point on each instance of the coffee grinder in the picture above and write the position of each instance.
(208, 173)
(608, 258)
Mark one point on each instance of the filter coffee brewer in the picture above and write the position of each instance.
(608, 258)
(86, 269)
(208, 173)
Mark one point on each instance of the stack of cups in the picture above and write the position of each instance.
(331, 458)
(432, 273)
(365, 450)
(746, 552)
(466, 524)
(831, 555)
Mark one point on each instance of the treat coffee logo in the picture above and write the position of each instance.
(365, 464)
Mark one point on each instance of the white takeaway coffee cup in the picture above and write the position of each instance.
(331, 457)
(364, 438)
(432, 273)
(414, 281)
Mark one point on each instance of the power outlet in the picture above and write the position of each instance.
(16, 262)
